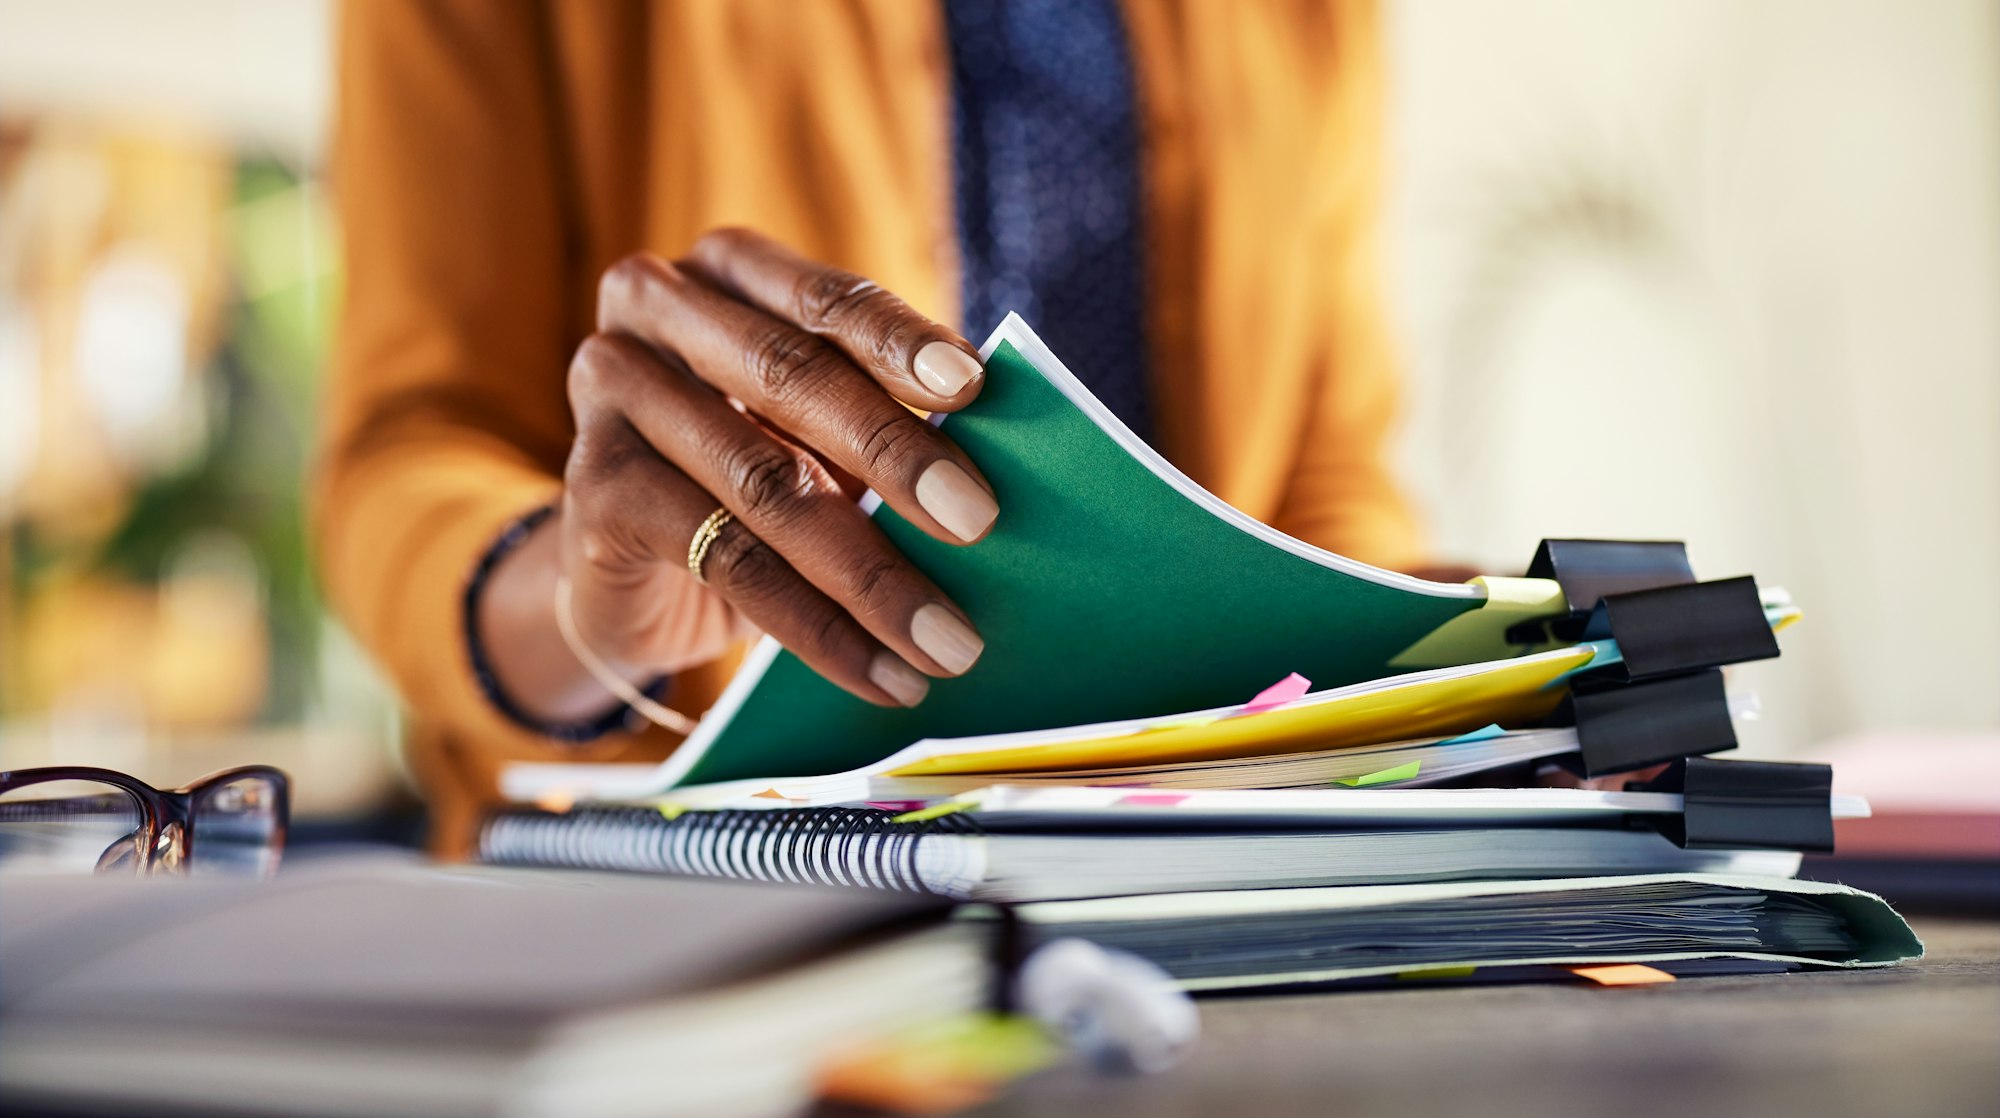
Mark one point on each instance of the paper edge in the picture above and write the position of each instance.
(1311, 977)
(1180, 906)
(1001, 797)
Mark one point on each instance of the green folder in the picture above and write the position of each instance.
(1111, 587)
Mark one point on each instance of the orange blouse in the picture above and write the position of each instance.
(493, 159)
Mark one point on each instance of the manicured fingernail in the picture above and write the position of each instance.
(956, 501)
(944, 368)
(904, 683)
(945, 638)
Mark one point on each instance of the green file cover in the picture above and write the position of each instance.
(1110, 587)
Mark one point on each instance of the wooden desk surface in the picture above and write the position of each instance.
(1917, 1040)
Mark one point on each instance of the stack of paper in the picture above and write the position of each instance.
(1679, 923)
(1254, 752)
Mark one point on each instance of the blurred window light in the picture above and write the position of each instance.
(212, 581)
(285, 239)
(56, 200)
(260, 71)
(101, 722)
(209, 662)
(20, 401)
(131, 354)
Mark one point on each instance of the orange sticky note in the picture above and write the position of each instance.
(1623, 974)
(556, 801)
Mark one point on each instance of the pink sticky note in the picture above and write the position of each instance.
(1152, 799)
(1279, 693)
(895, 805)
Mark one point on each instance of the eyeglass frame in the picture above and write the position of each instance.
(164, 811)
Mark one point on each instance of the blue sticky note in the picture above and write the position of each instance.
(1602, 653)
(1490, 730)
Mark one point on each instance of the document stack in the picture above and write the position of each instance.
(1256, 762)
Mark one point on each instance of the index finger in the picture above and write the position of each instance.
(920, 362)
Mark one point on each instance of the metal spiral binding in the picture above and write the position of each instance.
(817, 846)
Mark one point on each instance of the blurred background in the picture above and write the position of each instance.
(1726, 271)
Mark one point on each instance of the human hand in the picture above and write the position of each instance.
(744, 377)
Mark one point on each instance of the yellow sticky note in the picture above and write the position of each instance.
(672, 811)
(1622, 974)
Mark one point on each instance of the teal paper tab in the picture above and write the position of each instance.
(1490, 730)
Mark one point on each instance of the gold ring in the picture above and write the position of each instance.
(704, 538)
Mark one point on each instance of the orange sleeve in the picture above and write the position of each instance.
(1342, 494)
(446, 410)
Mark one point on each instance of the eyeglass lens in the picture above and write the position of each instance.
(70, 825)
(235, 828)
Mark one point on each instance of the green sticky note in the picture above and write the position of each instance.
(1437, 972)
(1400, 772)
(987, 1046)
(1103, 592)
(1481, 634)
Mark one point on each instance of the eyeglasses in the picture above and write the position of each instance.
(85, 819)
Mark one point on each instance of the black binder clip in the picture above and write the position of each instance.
(1622, 726)
(1591, 569)
(1764, 805)
(1670, 630)
(1665, 698)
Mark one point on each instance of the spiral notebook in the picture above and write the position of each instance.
(969, 857)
